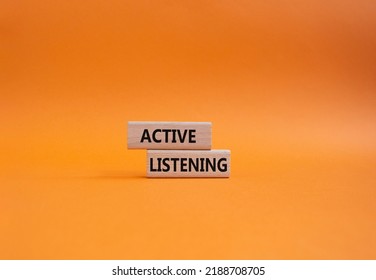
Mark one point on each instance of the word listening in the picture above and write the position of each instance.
(188, 164)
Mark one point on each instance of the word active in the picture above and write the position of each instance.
(169, 135)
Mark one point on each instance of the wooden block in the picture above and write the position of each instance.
(178, 163)
(169, 135)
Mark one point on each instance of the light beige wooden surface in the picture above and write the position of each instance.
(180, 163)
(172, 135)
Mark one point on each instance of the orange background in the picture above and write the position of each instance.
(290, 89)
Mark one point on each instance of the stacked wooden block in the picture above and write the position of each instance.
(179, 149)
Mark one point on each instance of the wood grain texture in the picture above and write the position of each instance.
(179, 163)
(170, 135)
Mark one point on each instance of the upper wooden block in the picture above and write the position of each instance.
(170, 135)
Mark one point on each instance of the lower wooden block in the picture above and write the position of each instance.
(188, 163)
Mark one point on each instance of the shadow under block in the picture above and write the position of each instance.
(170, 135)
(179, 163)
